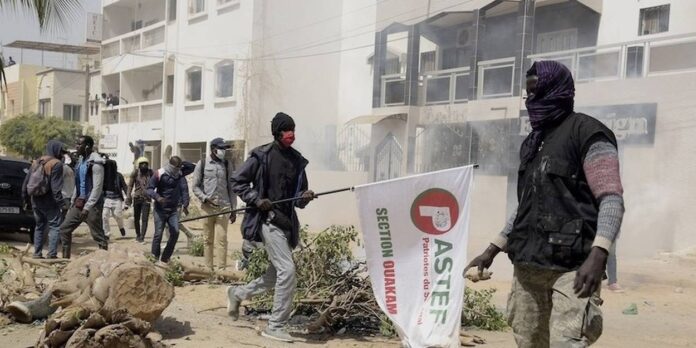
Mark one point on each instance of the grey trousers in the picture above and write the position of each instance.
(74, 219)
(281, 274)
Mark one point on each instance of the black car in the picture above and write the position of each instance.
(13, 216)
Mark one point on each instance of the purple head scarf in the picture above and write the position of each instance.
(551, 103)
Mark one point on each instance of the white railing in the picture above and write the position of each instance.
(109, 117)
(640, 58)
(446, 86)
(133, 113)
(393, 89)
(134, 41)
(496, 78)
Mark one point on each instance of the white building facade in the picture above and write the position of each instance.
(171, 67)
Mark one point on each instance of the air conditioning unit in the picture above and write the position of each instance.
(465, 37)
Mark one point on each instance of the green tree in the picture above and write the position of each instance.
(27, 135)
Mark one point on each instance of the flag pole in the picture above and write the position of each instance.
(286, 200)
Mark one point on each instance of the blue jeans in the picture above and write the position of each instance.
(48, 220)
(172, 221)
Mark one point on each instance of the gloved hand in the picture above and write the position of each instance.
(308, 196)
(589, 276)
(264, 204)
(483, 261)
(233, 217)
(129, 200)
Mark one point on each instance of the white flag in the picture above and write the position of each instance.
(415, 234)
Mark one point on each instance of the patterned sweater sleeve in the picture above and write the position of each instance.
(601, 167)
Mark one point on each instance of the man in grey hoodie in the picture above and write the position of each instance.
(88, 200)
(47, 207)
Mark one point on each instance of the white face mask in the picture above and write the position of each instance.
(220, 153)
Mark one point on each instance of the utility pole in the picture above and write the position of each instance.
(86, 119)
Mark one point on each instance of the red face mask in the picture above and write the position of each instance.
(287, 138)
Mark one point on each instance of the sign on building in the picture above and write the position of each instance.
(631, 123)
(94, 27)
(108, 141)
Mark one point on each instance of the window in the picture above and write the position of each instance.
(222, 3)
(170, 89)
(172, 10)
(654, 20)
(196, 7)
(71, 112)
(224, 79)
(44, 107)
(194, 76)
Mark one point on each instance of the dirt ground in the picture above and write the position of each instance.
(663, 287)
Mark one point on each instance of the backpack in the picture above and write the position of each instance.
(110, 176)
(39, 176)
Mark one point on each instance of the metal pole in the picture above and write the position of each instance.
(86, 119)
(239, 210)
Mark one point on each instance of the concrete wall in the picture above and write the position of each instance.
(305, 87)
(620, 19)
(185, 123)
(62, 87)
(21, 90)
(335, 209)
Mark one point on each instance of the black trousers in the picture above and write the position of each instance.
(141, 215)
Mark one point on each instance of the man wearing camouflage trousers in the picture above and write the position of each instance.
(569, 213)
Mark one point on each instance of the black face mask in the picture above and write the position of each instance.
(143, 168)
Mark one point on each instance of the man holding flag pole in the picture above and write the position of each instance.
(273, 172)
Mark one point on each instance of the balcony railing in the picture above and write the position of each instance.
(446, 86)
(641, 58)
(134, 41)
(393, 90)
(133, 113)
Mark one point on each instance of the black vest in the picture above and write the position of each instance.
(557, 215)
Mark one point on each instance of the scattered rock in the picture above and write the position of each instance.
(679, 290)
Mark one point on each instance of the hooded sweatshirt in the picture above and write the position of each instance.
(54, 198)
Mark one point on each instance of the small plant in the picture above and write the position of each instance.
(175, 273)
(386, 327)
(5, 249)
(478, 310)
(196, 246)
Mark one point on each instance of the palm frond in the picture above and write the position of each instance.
(52, 15)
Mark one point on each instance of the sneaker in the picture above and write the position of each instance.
(277, 334)
(232, 304)
(615, 288)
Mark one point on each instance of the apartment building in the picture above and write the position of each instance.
(61, 93)
(20, 96)
(448, 90)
